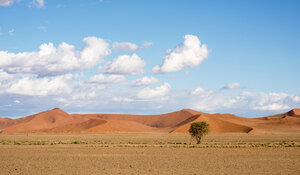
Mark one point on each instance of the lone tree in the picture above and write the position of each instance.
(199, 129)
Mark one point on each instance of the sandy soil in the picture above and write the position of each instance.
(142, 154)
(66, 159)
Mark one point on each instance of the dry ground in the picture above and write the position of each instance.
(149, 154)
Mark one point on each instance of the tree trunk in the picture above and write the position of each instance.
(198, 140)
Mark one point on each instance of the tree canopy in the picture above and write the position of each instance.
(198, 130)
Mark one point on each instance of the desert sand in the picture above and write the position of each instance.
(58, 121)
(151, 153)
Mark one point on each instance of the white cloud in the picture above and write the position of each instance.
(197, 91)
(50, 60)
(295, 98)
(102, 79)
(124, 46)
(5, 79)
(38, 3)
(144, 81)
(6, 2)
(76, 93)
(5, 76)
(267, 101)
(128, 46)
(189, 54)
(232, 86)
(83, 96)
(201, 92)
(122, 99)
(11, 32)
(272, 107)
(125, 64)
(152, 93)
(42, 77)
(216, 101)
(83, 92)
(42, 86)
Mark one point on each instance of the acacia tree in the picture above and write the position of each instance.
(199, 129)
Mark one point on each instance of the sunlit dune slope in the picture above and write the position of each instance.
(42, 121)
(58, 121)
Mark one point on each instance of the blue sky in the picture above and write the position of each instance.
(97, 56)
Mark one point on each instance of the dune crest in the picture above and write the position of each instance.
(59, 121)
(294, 112)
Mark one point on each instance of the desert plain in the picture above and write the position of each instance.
(55, 142)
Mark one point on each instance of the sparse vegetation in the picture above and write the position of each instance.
(76, 142)
(163, 140)
(131, 154)
(198, 130)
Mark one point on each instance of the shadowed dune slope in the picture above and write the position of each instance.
(294, 112)
(217, 125)
(157, 121)
(58, 121)
(80, 127)
(100, 126)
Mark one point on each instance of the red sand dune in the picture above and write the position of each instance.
(217, 124)
(5, 123)
(58, 121)
(294, 112)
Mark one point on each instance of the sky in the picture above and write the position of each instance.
(149, 57)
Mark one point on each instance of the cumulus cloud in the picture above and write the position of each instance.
(43, 77)
(295, 98)
(201, 92)
(42, 86)
(50, 60)
(231, 86)
(5, 76)
(38, 3)
(272, 107)
(128, 46)
(189, 54)
(102, 79)
(83, 95)
(125, 64)
(70, 90)
(152, 93)
(124, 46)
(5, 80)
(6, 3)
(217, 100)
(267, 101)
(144, 81)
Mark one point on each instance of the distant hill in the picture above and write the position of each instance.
(58, 121)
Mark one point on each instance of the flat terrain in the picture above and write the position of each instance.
(149, 154)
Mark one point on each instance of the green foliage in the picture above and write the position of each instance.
(76, 142)
(199, 129)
